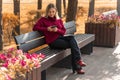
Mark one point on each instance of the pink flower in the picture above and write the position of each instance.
(41, 55)
(13, 60)
(11, 49)
(19, 52)
(3, 57)
(9, 55)
(28, 56)
(34, 55)
(22, 62)
(5, 64)
(37, 64)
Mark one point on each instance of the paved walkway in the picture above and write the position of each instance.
(102, 64)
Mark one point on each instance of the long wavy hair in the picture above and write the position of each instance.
(51, 5)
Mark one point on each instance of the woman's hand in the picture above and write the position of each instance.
(49, 29)
(55, 29)
(52, 29)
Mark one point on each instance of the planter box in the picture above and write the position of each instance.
(106, 35)
(35, 74)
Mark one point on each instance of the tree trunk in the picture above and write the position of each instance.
(1, 42)
(39, 6)
(58, 5)
(64, 6)
(118, 7)
(17, 12)
(72, 9)
(91, 7)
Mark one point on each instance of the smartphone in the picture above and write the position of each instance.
(53, 26)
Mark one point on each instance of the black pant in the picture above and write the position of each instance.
(64, 42)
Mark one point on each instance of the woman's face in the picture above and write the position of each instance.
(52, 12)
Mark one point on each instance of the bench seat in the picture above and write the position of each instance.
(53, 56)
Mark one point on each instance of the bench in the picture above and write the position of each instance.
(34, 39)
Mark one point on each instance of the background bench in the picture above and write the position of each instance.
(35, 39)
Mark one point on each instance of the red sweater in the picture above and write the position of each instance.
(44, 22)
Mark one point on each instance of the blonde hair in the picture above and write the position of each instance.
(51, 5)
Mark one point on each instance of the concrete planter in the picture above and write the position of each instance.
(106, 35)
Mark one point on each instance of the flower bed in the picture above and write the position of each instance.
(105, 28)
(15, 64)
(104, 19)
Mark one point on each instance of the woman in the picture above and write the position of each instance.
(54, 31)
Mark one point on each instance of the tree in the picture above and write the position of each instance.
(58, 5)
(1, 42)
(17, 12)
(72, 9)
(39, 6)
(118, 7)
(64, 6)
(91, 7)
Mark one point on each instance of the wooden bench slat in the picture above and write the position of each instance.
(31, 45)
(21, 39)
(84, 39)
(54, 59)
(70, 27)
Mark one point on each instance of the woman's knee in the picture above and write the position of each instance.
(60, 45)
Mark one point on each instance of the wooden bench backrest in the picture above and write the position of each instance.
(35, 39)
